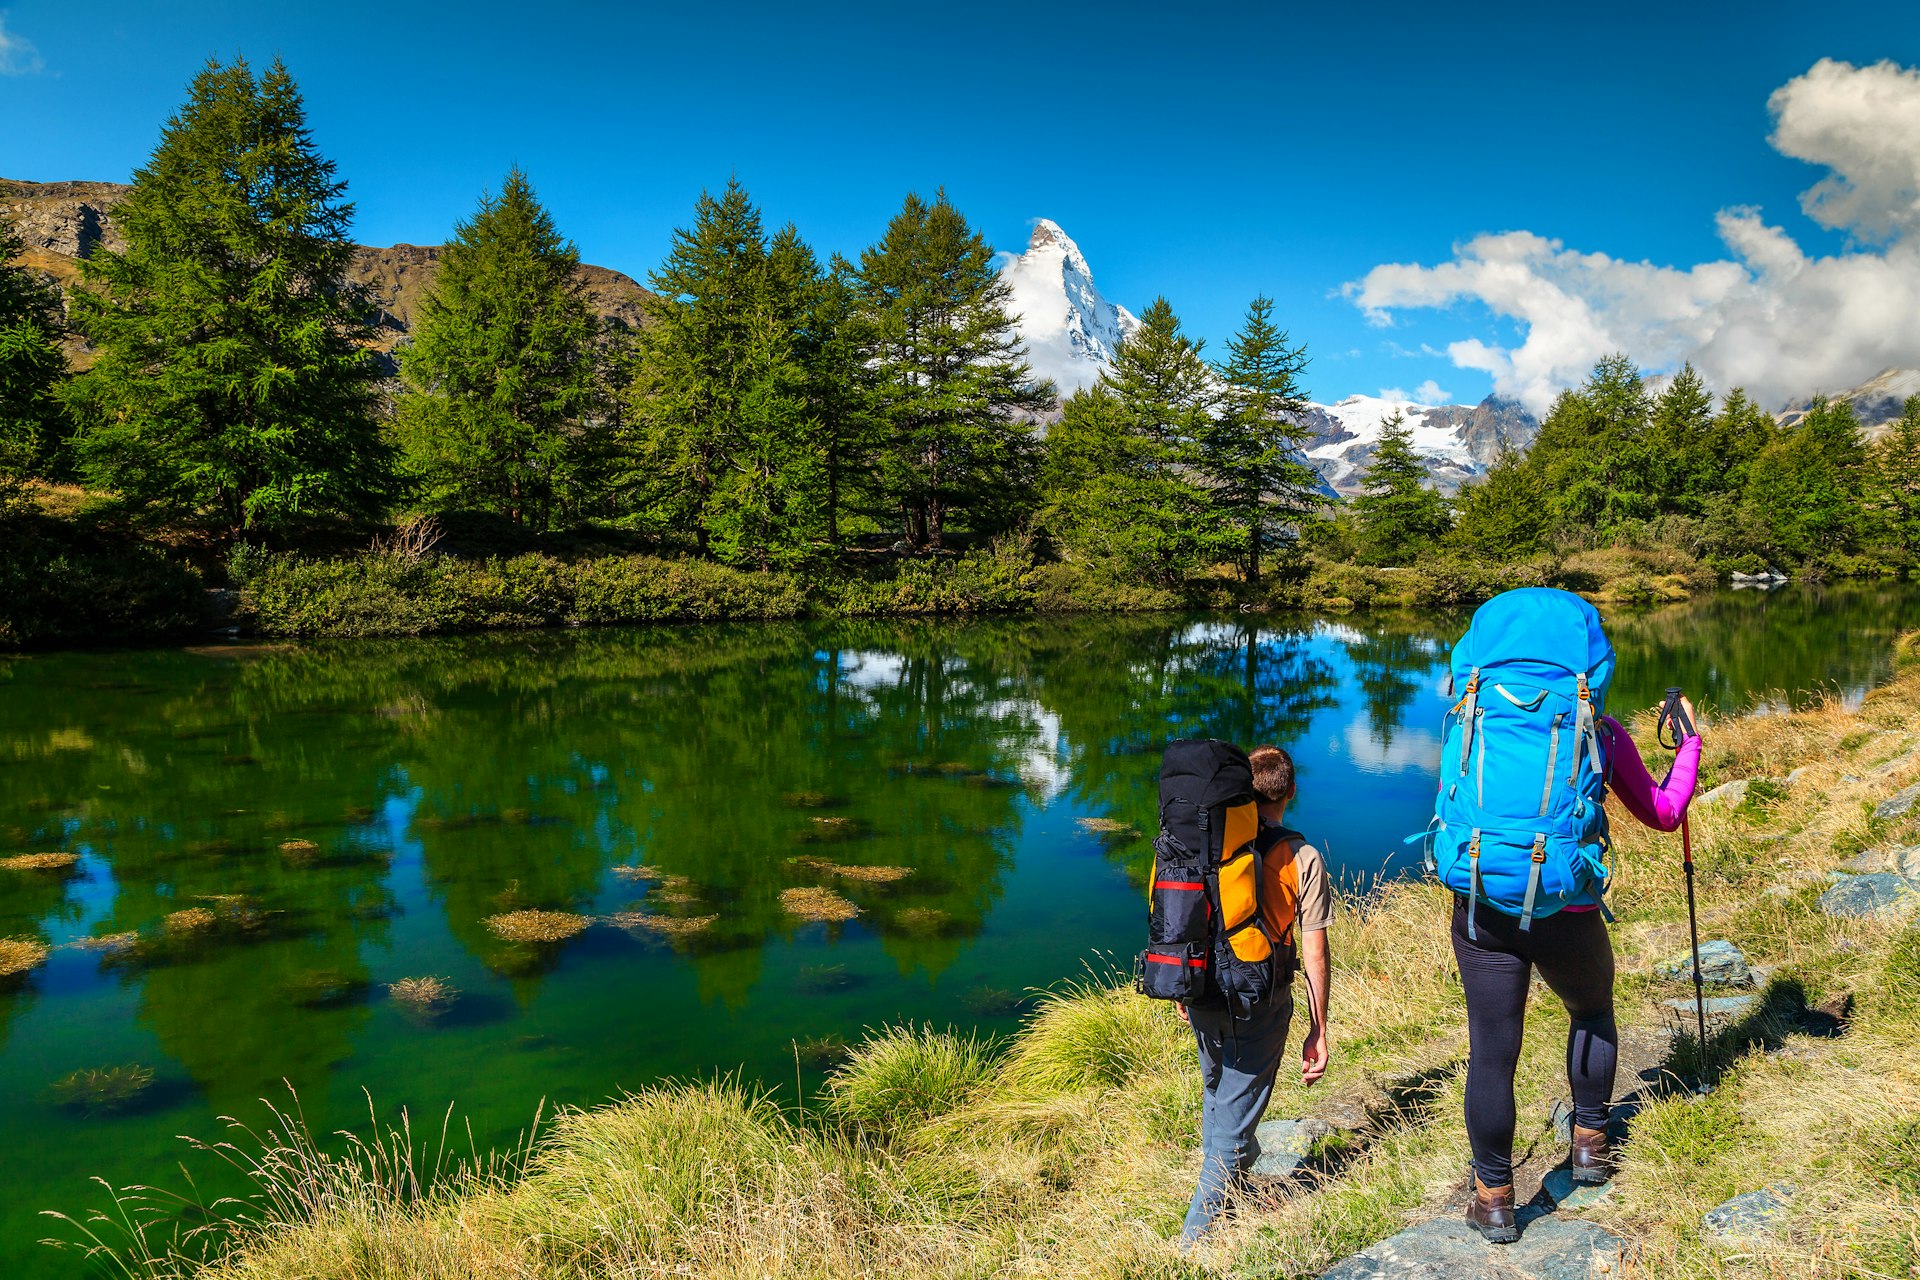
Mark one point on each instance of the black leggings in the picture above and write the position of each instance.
(1576, 960)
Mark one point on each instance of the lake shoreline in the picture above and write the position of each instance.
(67, 593)
(1066, 1150)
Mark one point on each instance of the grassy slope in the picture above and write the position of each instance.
(1066, 1153)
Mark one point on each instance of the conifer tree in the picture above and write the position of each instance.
(1504, 516)
(502, 391)
(718, 392)
(1808, 485)
(1398, 513)
(1683, 440)
(31, 367)
(1124, 475)
(950, 373)
(1597, 463)
(231, 378)
(1255, 447)
(845, 423)
(1896, 479)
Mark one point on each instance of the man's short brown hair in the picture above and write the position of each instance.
(1272, 774)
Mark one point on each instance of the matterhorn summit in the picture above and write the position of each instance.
(1070, 330)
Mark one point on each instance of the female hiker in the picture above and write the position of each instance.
(1527, 760)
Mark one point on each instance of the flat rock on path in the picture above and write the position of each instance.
(1549, 1248)
(1747, 1219)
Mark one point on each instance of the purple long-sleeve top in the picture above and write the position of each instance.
(1660, 807)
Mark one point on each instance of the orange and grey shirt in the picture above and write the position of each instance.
(1295, 889)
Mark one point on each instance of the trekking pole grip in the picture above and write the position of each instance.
(1674, 726)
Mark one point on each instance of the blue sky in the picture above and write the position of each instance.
(1205, 152)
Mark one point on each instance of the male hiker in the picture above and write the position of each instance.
(1241, 1048)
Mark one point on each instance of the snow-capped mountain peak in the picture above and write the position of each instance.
(1071, 330)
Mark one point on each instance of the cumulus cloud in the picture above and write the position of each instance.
(18, 57)
(1428, 392)
(1769, 317)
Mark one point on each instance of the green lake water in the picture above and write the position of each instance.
(425, 786)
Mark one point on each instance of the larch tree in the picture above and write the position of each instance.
(1255, 447)
(31, 369)
(500, 411)
(1399, 512)
(951, 377)
(232, 376)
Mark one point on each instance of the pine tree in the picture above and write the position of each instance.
(1896, 479)
(1597, 462)
(951, 374)
(718, 392)
(1255, 447)
(1124, 476)
(1683, 440)
(501, 378)
(230, 376)
(1399, 514)
(31, 368)
(1808, 486)
(842, 399)
(1504, 516)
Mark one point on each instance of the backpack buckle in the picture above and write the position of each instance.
(1539, 848)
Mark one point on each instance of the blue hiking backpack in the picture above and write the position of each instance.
(1519, 822)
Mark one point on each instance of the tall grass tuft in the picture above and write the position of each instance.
(903, 1076)
(1094, 1035)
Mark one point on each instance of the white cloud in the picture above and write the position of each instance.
(18, 57)
(1428, 392)
(1769, 317)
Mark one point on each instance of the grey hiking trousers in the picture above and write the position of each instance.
(1239, 1058)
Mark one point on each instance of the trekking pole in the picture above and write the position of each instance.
(1673, 718)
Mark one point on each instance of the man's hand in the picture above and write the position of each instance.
(1181, 1009)
(1314, 1052)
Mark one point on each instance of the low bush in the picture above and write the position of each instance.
(63, 584)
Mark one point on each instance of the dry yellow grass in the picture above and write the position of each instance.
(816, 904)
(20, 955)
(190, 920)
(537, 926)
(852, 871)
(58, 862)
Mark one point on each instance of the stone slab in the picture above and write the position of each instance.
(1568, 1194)
(1748, 1218)
(1873, 894)
(1899, 805)
(1721, 964)
(1549, 1248)
(1726, 793)
(1285, 1144)
(1719, 1006)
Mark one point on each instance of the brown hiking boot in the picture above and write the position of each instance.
(1592, 1160)
(1490, 1212)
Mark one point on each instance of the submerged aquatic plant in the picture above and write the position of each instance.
(926, 921)
(815, 904)
(639, 872)
(825, 828)
(672, 926)
(299, 853)
(98, 1089)
(111, 944)
(19, 955)
(190, 920)
(822, 1052)
(537, 926)
(62, 863)
(426, 997)
(868, 874)
(325, 988)
(812, 800)
(1111, 828)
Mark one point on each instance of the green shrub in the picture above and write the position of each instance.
(62, 584)
(1075, 587)
(648, 589)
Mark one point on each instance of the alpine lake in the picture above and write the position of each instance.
(773, 837)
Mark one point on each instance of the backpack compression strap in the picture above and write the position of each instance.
(1473, 882)
(1533, 880)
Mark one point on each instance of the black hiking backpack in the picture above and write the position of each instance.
(1209, 942)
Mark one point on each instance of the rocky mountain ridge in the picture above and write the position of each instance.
(64, 222)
